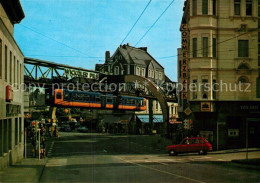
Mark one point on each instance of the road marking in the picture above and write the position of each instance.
(221, 160)
(161, 171)
(50, 150)
(56, 162)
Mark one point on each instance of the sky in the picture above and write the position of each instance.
(78, 32)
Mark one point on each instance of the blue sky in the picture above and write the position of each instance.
(78, 32)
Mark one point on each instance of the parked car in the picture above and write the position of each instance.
(190, 145)
(82, 129)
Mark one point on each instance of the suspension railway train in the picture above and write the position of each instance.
(69, 98)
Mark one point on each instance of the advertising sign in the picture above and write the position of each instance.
(184, 61)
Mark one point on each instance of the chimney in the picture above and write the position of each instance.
(143, 48)
(128, 44)
(107, 55)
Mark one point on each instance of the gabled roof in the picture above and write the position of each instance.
(138, 56)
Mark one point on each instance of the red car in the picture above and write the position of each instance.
(190, 145)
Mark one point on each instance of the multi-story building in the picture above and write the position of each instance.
(219, 60)
(137, 61)
(131, 60)
(11, 90)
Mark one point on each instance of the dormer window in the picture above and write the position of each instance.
(116, 70)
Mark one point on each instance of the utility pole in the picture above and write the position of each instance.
(151, 114)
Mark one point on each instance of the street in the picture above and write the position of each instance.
(85, 157)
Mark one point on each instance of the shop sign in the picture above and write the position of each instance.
(78, 73)
(184, 60)
(205, 107)
(9, 93)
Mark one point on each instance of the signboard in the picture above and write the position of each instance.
(205, 107)
(9, 93)
(187, 111)
(184, 60)
(78, 73)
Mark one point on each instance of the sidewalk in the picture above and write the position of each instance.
(234, 151)
(29, 170)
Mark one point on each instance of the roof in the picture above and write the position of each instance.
(138, 56)
(13, 9)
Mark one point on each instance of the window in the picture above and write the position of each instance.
(58, 95)
(214, 7)
(205, 88)
(258, 10)
(138, 71)
(205, 46)
(116, 70)
(160, 76)
(237, 7)
(18, 74)
(194, 92)
(143, 72)
(149, 73)
(1, 61)
(14, 71)
(205, 7)
(249, 7)
(11, 66)
(214, 47)
(243, 48)
(194, 7)
(214, 88)
(194, 47)
(1, 137)
(156, 75)
(6, 63)
(152, 74)
(109, 100)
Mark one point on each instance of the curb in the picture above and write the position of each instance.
(229, 152)
(42, 169)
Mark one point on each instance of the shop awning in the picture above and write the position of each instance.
(156, 118)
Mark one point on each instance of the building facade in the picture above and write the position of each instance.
(219, 61)
(11, 90)
(137, 61)
(134, 61)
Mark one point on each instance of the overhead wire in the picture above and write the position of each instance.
(154, 22)
(136, 21)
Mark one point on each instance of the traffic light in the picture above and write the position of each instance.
(191, 124)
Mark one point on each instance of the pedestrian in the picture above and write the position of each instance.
(33, 146)
(42, 148)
